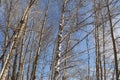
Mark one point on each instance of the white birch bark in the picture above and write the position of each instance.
(59, 43)
(15, 42)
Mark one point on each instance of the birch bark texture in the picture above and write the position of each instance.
(16, 38)
(59, 43)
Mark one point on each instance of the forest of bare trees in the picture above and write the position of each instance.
(59, 39)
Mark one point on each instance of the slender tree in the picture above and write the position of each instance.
(59, 43)
(113, 39)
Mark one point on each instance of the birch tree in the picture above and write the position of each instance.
(14, 44)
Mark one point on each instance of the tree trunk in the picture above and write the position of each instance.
(66, 55)
(21, 63)
(59, 44)
(14, 44)
(35, 63)
(113, 40)
(14, 75)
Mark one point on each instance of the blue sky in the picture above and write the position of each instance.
(53, 20)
